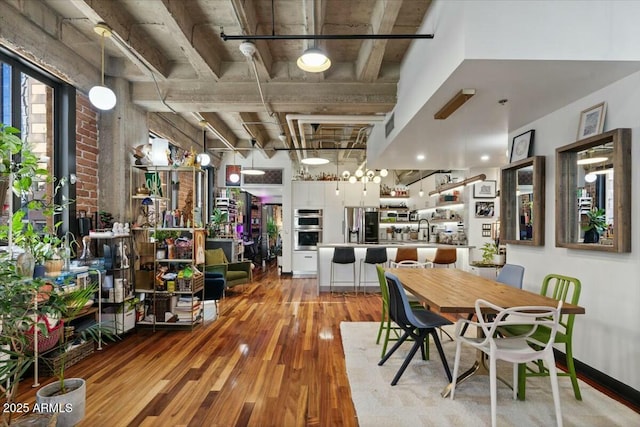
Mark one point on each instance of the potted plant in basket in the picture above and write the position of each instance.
(19, 316)
(596, 224)
(35, 308)
(69, 394)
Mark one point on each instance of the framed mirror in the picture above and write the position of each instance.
(522, 202)
(593, 193)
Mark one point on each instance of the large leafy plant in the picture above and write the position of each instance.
(596, 220)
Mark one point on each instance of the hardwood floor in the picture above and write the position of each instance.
(273, 358)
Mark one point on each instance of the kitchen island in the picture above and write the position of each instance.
(344, 273)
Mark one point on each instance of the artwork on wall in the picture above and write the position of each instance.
(592, 121)
(522, 146)
(485, 190)
(485, 209)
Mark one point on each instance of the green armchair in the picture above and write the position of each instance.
(235, 273)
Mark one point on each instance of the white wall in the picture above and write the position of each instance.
(607, 337)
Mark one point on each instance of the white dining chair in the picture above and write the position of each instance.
(517, 349)
(409, 264)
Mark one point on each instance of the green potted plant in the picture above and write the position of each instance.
(218, 217)
(71, 391)
(596, 224)
(28, 308)
(489, 251)
(272, 233)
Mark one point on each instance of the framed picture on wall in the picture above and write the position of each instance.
(522, 146)
(485, 210)
(592, 121)
(485, 190)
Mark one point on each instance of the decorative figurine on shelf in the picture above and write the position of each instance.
(122, 255)
(86, 250)
(189, 158)
(142, 154)
(187, 210)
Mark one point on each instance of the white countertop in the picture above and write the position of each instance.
(392, 244)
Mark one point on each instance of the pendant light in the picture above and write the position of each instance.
(337, 176)
(204, 158)
(421, 192)
(101, 96)
(314, 60)
(234, 176)
(314, 161)
(253, 170)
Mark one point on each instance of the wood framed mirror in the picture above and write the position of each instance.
(522, 202)
(594, 174)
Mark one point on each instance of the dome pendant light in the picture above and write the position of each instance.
(101, 96)
(314, 60)
(252, 171)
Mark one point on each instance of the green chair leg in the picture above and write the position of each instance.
(522, 380)
(572, 372)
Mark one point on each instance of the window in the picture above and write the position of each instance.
(37, 104)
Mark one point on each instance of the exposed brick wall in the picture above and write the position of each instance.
(86, 155)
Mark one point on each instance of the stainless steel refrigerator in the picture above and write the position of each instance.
(361, 224)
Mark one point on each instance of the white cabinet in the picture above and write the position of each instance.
(305, 263)
(354, 194)
(308, 194)
(331, 199)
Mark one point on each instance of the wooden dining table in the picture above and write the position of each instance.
(454, 291)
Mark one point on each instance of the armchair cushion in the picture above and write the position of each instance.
(234, 273)
(215, 256)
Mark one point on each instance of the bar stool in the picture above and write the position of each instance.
(405, 254)
(444, 256)
(373, 256)
(343, 256)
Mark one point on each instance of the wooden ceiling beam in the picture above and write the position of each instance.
(383, 18)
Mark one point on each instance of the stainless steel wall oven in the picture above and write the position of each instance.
(307, 229)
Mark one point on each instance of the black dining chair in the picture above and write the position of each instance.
(416, 323)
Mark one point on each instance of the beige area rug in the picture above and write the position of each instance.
(416, 401)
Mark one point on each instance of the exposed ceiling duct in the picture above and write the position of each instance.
(318, 119)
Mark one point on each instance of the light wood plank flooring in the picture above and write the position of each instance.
(273, 358)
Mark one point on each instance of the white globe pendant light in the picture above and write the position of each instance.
(101, 96)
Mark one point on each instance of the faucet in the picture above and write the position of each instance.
(428, 227)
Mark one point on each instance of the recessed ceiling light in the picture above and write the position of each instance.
(484, 158)
(420, 157)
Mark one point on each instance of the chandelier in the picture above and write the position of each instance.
(365, 175)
